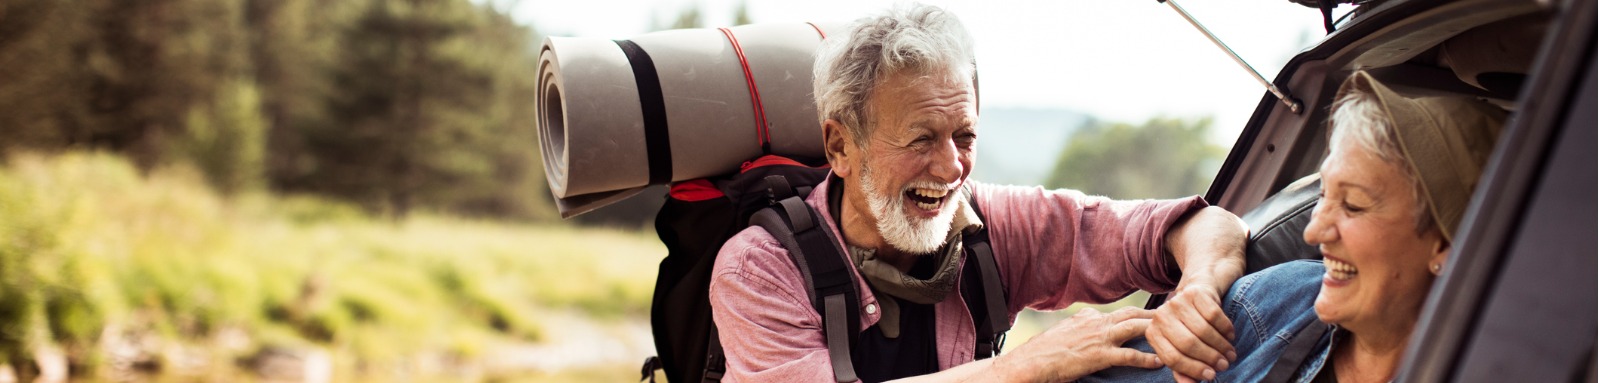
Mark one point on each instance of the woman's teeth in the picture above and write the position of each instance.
(1339, 270)
(927, 198)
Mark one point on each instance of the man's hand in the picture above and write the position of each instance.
(1190, 332)
(1088, 341)
(1192, 335)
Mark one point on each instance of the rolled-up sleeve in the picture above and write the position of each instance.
(770, 333)
(1056, 247)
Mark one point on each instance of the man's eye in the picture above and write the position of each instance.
(967, 139)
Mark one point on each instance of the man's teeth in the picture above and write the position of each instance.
(1340, 270)
(933, 195)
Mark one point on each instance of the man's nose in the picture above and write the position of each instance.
(946, 162)
(1320, 230)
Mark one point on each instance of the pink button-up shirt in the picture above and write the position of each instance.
(1053, 247)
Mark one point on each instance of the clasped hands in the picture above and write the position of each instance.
(1189, 333)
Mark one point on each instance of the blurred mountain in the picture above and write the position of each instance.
(1020, 146)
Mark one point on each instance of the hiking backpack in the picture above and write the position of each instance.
(700, 215)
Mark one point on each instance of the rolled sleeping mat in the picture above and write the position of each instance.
(616, 116)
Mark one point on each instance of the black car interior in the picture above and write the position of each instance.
(1486, 55)
(1489, 61)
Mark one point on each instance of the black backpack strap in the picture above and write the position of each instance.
(995, 320)
(992, 323)
(778, 188)
(832, 284)
(647, 372)
(716, 363)
(1300, 347)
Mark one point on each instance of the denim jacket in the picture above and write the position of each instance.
(1267, 309)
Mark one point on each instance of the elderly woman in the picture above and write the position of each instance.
(1394, 186)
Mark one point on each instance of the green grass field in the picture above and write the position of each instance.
(92, 253)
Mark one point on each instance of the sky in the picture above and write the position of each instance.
(1116, 60)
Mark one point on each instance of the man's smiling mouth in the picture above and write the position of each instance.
(929, 199)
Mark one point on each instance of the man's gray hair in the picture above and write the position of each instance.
(1358, 119)
(925, 39)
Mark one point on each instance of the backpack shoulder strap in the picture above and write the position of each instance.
(816, 253)
(994, 320)
(716, 362)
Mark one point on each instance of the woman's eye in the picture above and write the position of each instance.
(1352, 208)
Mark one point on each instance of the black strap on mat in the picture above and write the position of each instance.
(657, 141)
(1300, 347)
(821, 261)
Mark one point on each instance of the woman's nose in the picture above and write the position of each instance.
(1321, 230)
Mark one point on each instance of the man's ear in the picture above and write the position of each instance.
(837, 145)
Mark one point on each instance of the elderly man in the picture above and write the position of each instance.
(899, 115)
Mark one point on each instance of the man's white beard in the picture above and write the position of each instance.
(901, 230)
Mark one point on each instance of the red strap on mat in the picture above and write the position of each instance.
(819, 30)
(763, 137)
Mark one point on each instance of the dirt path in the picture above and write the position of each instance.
(577, 341)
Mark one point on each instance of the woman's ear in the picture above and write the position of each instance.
(1441, 253)
(836, 144)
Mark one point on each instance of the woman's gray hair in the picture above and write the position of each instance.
(1358, 119)
(922, 38)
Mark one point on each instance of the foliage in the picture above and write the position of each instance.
(90, 250)
(1164, 158)
(741, 15)
(688, 17)
(226, 139)
(392, 105)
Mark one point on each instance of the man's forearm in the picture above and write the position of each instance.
(1208, 246)
(1190, 332)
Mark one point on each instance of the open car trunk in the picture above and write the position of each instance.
(1517, 301)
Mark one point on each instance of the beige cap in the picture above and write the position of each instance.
(1445, 140)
